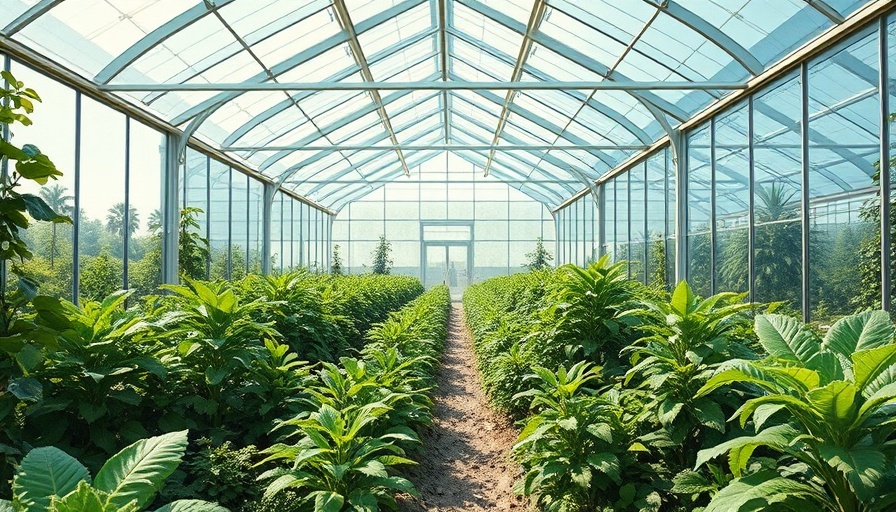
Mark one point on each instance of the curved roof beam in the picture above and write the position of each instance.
(298, 59)
(341, 123)
(345, 73)
(605, 110)
(826, 9)
(35, 11)
(157, 37)
(710, 32)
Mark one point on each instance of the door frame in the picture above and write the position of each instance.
(424, 268)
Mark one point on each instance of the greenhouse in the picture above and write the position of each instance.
(627, 255)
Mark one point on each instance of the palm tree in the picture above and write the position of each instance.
(155, 221)
(115, 220)
(56, 198)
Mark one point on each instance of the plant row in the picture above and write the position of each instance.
(225, 360)
(632, 399)
(363, 417)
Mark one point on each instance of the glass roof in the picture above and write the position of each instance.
(558, 137)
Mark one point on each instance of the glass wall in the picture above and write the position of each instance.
(576, 231)
(812, 239)
(112, 169)
(445, 213)
(639, 219)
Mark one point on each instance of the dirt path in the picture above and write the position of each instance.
(465, 464)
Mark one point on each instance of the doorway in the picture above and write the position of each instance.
(448, 263)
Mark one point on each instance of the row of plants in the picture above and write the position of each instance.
(357, 420)
(633, 399)
(362, 417)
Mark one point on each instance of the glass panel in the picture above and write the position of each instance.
(844, 154)
(637, 210)
(53, 132)
(699, 235)
(219, 213)
(145, 196)
(732, 201)
(656, 221)
(777, 250)
(103, 223)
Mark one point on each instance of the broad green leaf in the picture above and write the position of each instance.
(709, 413)
(40, 210)
(836, 402)
(691, 482)
(868, 364)
(607, 463)
(192, 506)
(760, 490)
(855, 333)
(138, 471)
(46, 472)
(777, 437)
(26, 388)
(864, 468)
(328, 502)
(682, 298)
(786, 339)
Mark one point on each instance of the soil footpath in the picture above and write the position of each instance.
(465, 465)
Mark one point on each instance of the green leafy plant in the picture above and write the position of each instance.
(825, 407)
(49, 479)
(382, 263)
(338, 466)
(336, 263)
(193, 249)
(577, 448)
(539, 258)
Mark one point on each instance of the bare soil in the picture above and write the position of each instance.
(465, 465)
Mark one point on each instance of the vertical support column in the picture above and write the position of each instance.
(600, 219)
(679, 161)
(751, 217)
(557, 254)
(885, 171)
(4, 169)
(208, 215)
(331, 219)
(267, 217)
(713, 236)
(804, 156)
(76, 212)
(645, 253)
(229, 272)
(127, 202)
(171, 211)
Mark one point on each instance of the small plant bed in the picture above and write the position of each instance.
(630, 399)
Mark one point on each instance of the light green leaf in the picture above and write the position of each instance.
(760, 490)
(138, 471)
(786, 338)
(868, 364)
(836, 402)
(328, 502)
(682, 298)
(777, 437)
(855, 333)
(46, 472)
(192, 506)
(86, 499)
